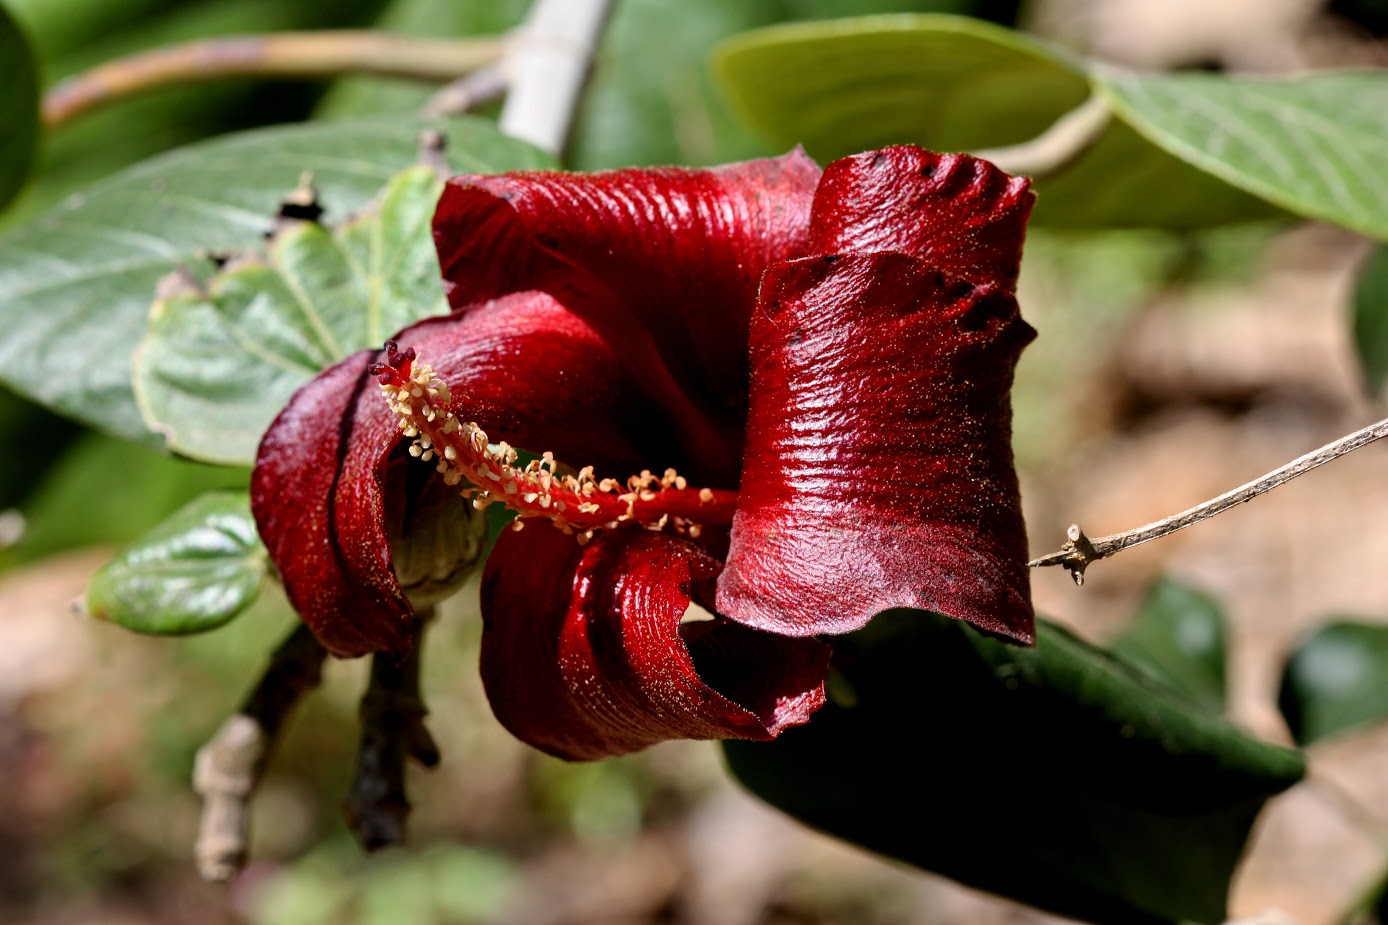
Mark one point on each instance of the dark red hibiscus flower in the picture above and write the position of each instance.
(777, 392)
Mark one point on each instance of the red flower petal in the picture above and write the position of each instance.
(582, 654)
(523, 367)
(962, 215)
(665, 263)
(878, 466)
(308, 502)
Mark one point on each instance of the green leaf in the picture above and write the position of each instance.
(652, 99)
(76, 284)
(192, 573)
(218, 363)
(1179, 635)
(944, 82)
(1370, 322)
(1059, 776)
(1336, 680)
(955, 84)
(19, 107)
(1315, 144)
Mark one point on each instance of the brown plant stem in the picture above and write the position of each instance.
(325, 53)
(392, 731)
(1080, 550)
(228, 768)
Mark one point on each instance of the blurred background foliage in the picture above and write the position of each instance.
(1168, 360)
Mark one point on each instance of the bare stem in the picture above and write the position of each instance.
(229, 767)
(289, 54)
(546, 66)
(1057, 147)
(1081, 550)
(482, 86)
(392, 731)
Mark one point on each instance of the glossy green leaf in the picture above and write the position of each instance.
(949, 83)
(219, 362)
(19, 107)
(192, 573)
(1336, 680)
(1059, 776)
(1179, 635)
(1315, 144)
(1004, 11)
(76, 284)
(1370, 318)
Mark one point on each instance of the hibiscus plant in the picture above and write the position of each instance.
(722, 452)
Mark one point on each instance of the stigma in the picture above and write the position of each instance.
(577, 503)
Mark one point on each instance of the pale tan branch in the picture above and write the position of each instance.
(478, 88)
(229, 767)
(1057, 147)
(1080, 550)
(288, 54)
(546, 66)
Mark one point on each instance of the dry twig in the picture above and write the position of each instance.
(326, 53)
(228, 768)
(1080, 550)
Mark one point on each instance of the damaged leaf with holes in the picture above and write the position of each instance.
(78, 280)
(220, 358)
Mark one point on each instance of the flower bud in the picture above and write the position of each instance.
(436, 536)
